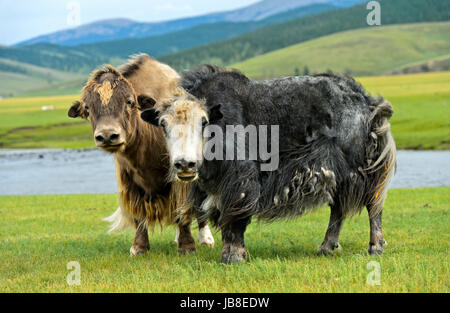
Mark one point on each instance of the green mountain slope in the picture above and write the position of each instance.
(17, 78)
(68, 59)
(362, 52)
(299, 30)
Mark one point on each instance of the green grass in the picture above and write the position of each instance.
(421, 118)
(23, 124)
(362, 52)
(421, 103)
(39, 235)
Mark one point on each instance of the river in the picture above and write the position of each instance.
(57, 171)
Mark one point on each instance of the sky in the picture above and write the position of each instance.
(24, 19)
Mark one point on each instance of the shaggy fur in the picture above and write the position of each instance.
(333, 136)
(335, 148)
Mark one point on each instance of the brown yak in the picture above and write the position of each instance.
(110, 101)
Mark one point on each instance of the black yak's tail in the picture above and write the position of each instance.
(381, 156)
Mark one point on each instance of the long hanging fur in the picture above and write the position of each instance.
(381, 155)
(151, 210)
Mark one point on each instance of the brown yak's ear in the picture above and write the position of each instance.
(76, 110)
(145, 102)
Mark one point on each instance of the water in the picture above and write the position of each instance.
(54, 171)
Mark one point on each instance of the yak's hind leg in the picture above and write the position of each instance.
(330, 242)
(140, 245)
(233, 249)
(376, 233)
(205, 237)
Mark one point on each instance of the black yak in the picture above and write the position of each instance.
(332, 139)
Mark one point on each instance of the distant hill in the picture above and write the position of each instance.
(361, 52)
(196, 36)
(18, 78)
(299, 30)
(124, 28)
(56, 57)
(440, 64)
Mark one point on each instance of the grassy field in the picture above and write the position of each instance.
(421, 119)
(23, 124)
(421, 108)
(368, 51)
(39, 235)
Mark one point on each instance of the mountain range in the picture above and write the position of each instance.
(125, 28)
(60, 62)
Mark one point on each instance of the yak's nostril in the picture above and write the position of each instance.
(114, 136)
(182, 164)
(99, 138)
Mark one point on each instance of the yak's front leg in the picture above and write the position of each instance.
(186, 243)
(233, 250)
(376, 234)
(140, 244)
(330, 242)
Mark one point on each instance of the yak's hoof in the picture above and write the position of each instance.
(136, 250)
(234, 255)
(327, 249)
(375, 249)
(186, 248)
(207, 243)
(205, 238)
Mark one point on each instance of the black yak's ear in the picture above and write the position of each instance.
(76, 110)
(151, 116)
(215, 114)
(145, 102)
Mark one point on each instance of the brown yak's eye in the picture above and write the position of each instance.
(130, 102)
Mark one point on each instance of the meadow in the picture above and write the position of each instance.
(39, 235)
(420, 121)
